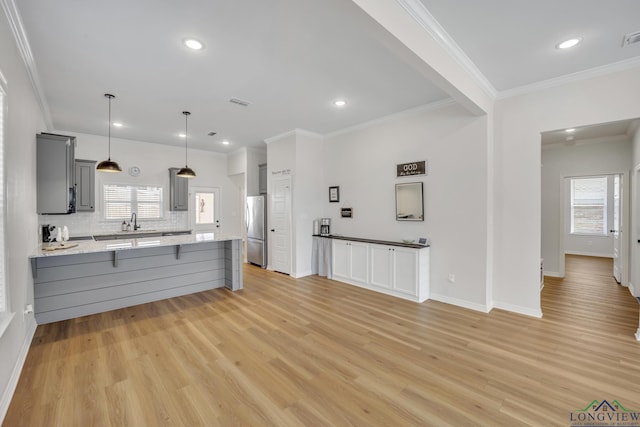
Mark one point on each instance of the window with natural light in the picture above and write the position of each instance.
(589, 206)
(204, 208)
(120, 201)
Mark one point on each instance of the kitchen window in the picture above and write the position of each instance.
(589, 206)
(120, 201)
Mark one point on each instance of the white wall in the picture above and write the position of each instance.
(634, 279)
(154, 161)
(558, 162)
(519, 120)
(23, 122)
(308, 196)
(454, 144)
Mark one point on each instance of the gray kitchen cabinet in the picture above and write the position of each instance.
(85, 185)
(55, 174)
(262, 178)
(178, 191)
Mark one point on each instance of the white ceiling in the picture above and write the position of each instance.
(513, 42)
(289, 58)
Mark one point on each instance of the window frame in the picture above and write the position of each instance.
(134, 206)
(605, 207)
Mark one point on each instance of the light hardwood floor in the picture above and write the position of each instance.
(313, 352)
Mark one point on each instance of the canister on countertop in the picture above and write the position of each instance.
(316, 227)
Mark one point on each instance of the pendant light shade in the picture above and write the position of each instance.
(109, 165)
(186, 171)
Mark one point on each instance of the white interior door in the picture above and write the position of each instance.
(205, 209)
(617, 227)
(280, 221)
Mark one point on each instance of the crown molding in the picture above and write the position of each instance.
(293, 132)
(406, 113)
(425, 19)
(603, 70)
(20, 37)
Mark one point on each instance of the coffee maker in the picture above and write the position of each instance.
(325, 226)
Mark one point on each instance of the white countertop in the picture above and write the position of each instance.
(90, 246)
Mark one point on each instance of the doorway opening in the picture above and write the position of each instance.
(585, 203)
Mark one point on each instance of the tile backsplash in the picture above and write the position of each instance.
(90, 223)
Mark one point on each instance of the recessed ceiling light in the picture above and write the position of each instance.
(182, 135)
(570, 130)
(117, 124)
(193, 44)
(339, 102)
(225, 142)
(569, 43)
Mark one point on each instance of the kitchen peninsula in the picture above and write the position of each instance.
(97, 276)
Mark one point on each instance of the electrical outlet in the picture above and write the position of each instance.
(28, 309)
(452, 278)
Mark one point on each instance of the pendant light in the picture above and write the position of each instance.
(186, 171)
(109, 165)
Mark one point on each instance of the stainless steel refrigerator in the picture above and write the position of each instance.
(257, 230)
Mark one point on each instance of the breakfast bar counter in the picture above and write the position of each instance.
(88, 277)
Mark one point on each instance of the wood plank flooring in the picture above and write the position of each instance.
(314, 352)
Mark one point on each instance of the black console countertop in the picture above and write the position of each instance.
(379, 242)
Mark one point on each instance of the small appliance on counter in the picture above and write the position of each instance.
(325, 226)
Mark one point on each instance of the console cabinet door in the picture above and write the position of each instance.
(341, 260)
(405, 270)
(381, 266)
(359, 262)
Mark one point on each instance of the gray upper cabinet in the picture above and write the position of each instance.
(85, 185)
(178, 191)
(262, 179)
(55, 163)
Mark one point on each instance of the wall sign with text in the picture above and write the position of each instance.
(411, 169)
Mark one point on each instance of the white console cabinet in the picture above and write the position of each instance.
(394, 270)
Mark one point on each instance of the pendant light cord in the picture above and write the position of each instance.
(186, 137)
(109, 96)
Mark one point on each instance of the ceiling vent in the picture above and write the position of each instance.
(631, 38)
(240, 102)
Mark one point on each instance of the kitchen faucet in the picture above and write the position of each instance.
(134, 220)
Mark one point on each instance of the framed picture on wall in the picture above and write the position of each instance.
(334, 194)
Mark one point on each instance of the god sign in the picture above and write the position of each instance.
(414, 168)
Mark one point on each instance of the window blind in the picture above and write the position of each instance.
(120, 201)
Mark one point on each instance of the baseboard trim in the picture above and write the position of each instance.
(303, 274)
(518, 309)
(460, 303)
(553, 274)
(17, 369)
(585, 253)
